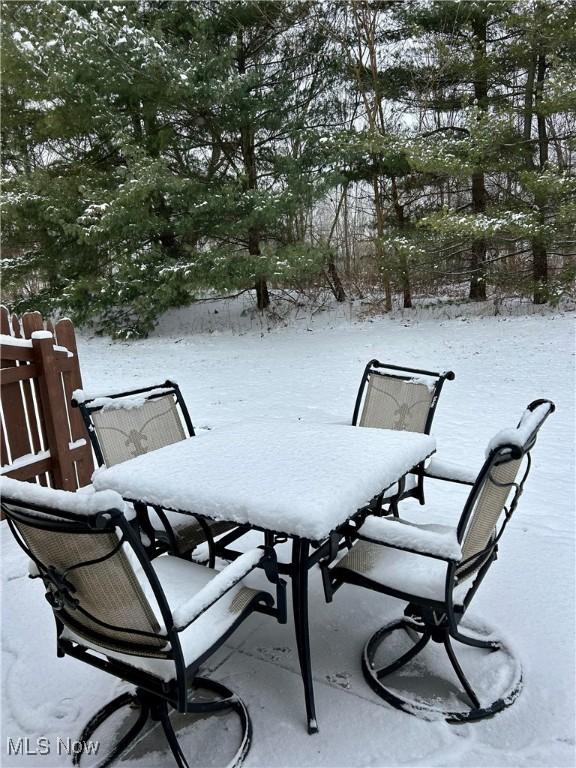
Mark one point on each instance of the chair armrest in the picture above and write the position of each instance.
(450, 471)
(419, 539)
(186, 613)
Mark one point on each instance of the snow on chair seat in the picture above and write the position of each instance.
(435, 540)
(399, 570)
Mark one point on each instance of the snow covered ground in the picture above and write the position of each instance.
(311, 372)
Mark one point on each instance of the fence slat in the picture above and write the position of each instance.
(4, 320)
(16, 329)
(18, 373)
(13, 411)
(4, 458)
(11, 353)
(39, 467)
(32, 321)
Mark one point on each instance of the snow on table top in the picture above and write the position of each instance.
(294, 478)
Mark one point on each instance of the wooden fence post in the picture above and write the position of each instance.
(54, 408)
(72, 380)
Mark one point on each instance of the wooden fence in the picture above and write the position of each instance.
(42, 437)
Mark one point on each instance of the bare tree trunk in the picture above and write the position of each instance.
(251, 182)
(540, 270)
(332, 272)
(380, 255)
(334, 281)
(365, 20)
(347, 262)
(539, 251)
(262, 295)
(478, 256)
(404, 266)
(477, 266)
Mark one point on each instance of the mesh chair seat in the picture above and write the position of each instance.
(179, 580)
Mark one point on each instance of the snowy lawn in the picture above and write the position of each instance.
(501, 364)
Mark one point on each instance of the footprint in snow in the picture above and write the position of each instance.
(274, 654)
(341, 679)
(65, 709)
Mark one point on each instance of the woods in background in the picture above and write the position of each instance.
(157, 151)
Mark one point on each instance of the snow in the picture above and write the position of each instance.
(427, 539)
(424, 381)
(79, 504)
(290, 477)
(404, 571)
(12, 341)
(520, 437)
(25, 461)
(80, 443)
(451, 470)
(501, 363)
(124, 403)
(41, 335)
(108, 402)
(193, 606)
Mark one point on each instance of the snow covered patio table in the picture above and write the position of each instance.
(296, 479)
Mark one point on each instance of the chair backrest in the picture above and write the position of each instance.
(398, 398)
(98, 578)
(486, 512)
(127, 424)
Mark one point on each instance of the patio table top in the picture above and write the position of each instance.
(295, 478)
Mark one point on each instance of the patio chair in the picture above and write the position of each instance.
(393, 397)
(151, 623)
(124, 425)
(438, 569)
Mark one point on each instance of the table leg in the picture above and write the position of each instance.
(300, 550)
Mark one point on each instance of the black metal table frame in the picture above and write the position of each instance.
(324, 552)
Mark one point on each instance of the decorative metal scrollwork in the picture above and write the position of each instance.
(58, 589)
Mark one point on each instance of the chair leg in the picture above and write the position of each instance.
(126, 699)
(171, 737)
(393, 508)
(156, 708)
(442, 634)
(490, 645)
(460, 673)
(227, 700)
(405, 658)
